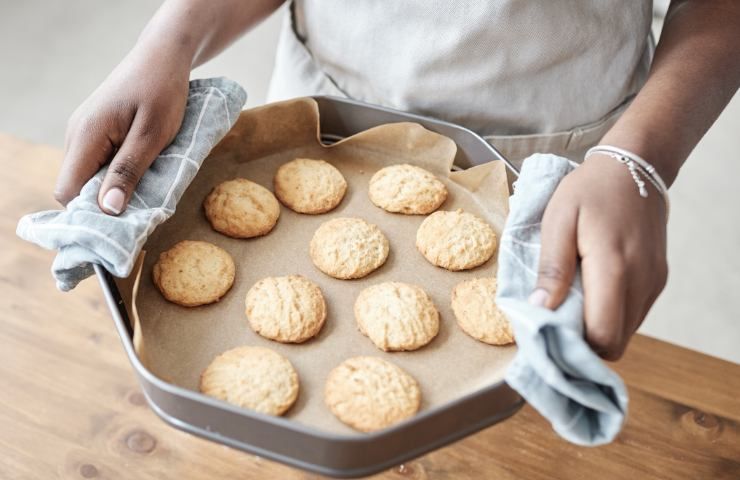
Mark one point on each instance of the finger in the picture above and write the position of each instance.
(87, 150)
(604, 297)
(139, 149)
(558, 254)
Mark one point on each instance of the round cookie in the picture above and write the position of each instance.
(286, 309)
(455, 240)
(193, 273)
(477, 314)
(347, 248)
(252, 377)
(369, 393)
(407, 189)
(396, 316)
(241, 209)
(309, 186)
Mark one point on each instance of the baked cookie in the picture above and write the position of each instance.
(396, 316)
(407, 189)
(193, 273)
(348, 248)
(241, 209)
(286, 309)
(477, 313)
(252, 377)
(369, 393)
(309, 186)
(455, 240)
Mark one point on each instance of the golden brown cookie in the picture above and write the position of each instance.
(348, 248)
(396, 316)
(455, 240)
(477, 314)
(369, 393)
(193, 273)
(309, 186)
(407, 189)
(286, 309)
(252, 377)
(241, 209)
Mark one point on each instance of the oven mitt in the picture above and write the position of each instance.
(84, 235)
(554, 369)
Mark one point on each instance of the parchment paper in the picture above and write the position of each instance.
(177, 343)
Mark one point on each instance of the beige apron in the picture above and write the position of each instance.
(529, 76)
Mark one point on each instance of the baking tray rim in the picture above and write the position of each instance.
(410, 117)
(124, 329)
(334, 472)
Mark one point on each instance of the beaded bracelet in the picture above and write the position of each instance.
(639, 168)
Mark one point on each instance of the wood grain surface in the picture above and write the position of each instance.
(70, 406)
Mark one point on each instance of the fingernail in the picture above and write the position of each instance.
(113, 200)
(539, 297)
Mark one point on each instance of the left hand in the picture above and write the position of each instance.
(597, 215)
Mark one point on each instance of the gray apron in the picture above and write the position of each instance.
(529, 76)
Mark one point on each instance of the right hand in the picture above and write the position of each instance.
(128, 120)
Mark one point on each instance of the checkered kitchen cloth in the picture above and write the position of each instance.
(83, 235)
(554, 369)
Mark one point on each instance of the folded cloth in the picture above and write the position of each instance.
(554, 369)
(84, 235)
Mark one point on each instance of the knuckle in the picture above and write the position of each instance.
(552, 272)
(612, 355)
(87, 126)
(126, 170)
(662, 275)
(607, 344)
(149, 131)
(153, 132)
(76, 126)
(62, 196)
(614, 265)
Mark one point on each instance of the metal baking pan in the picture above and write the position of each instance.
(301, 446)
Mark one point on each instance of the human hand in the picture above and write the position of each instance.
(597, 216)
(128, 120)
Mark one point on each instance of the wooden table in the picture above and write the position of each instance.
(70, 406)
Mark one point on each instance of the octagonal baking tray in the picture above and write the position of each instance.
(305, 447)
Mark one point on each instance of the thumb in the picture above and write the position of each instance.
(139, 149)
(557, 265)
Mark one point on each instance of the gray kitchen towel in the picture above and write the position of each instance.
(83, 235)
(554, 369)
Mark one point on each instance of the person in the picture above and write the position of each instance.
(557, 76)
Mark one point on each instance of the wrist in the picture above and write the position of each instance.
(175, 52)
(655, 148)
(642, 172)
